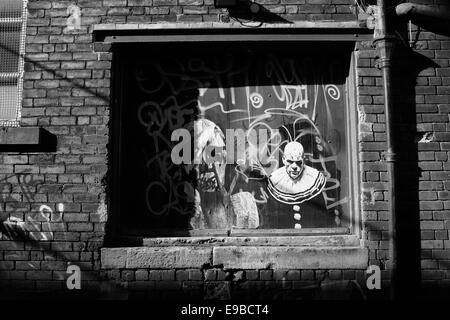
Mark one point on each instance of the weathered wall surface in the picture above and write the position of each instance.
(425, 191)
(54, 204)
(421, 100)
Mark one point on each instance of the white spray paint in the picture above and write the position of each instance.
(74, 20)
(32, 226)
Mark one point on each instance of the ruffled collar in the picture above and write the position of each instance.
(307, 186)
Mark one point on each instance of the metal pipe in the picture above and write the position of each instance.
(413, 10)
(385, 43)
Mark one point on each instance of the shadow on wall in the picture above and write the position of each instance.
(406, 67)
(432, 18)
(30, 230)
(254, 12)
(31, 65)
(41, 232)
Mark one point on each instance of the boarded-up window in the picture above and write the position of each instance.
(12, 48)
(232, 137)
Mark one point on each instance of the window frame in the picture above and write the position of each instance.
(114, 235)
(19, 75)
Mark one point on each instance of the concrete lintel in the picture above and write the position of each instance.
(239, 257)
(212, 31)
(220, 25)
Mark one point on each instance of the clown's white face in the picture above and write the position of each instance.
(293, 159)
(293, 168)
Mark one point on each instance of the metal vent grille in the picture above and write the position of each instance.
(13, 15)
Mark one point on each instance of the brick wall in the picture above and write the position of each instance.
(432, 101)
(421, 100)
(59, 199)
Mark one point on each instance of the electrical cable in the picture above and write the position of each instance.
(246, 25)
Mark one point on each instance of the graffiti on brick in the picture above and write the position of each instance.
(36, 225)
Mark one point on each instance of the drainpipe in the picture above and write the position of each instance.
(384, 43)
(414, 10)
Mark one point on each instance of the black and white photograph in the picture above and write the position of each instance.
(225, 156)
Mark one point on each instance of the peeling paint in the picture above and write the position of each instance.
(363, 136)
(102, 211)
(368, 196)
(74, 20)
(361, 116)
(427, 137)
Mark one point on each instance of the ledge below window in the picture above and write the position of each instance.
(315, 252)
(29, 139)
